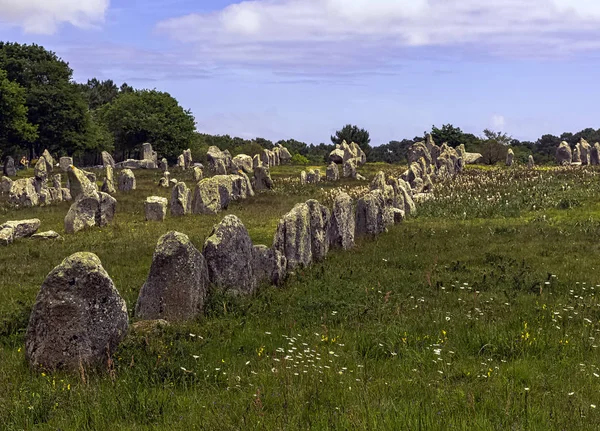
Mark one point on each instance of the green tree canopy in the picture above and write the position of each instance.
(351, 133)
(98, 93)
(148, 116)
(15, 129)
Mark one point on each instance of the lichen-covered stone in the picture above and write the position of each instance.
(198, 174)
(262, 179)
(107, 160)
(319, 229)
(343, 222)
(269, 265)
(79, 182)
(5, 185)
(349, 168)
(181, 200)
(564, 155)
(155, 208)
(108, 186)
(23, 193)
(371, 217)
(22, 228)
(293, 237)
(90, 209)
(332, 173)
(126, 180)
(65, 162)
(229, 257)
(177, 285)
(9, 168)
(78, 319)
(243, 162)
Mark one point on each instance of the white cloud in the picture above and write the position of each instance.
(356, 32)
(45, 16)
(498, 122)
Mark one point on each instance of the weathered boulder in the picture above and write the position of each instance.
(303, 178)
(267, 158)
(229, 257)
(5, 185)
(78, 318)
(337, 156)
(198, 174)
(66, 194)
(349, 168)
(181, 200)
(47, 235)
(219, 162)
(9, 168)
(371, 214)
(177, 285)
(41, 173)
(293, 237)
(262, 179)
(149, 154)
(473, 158)
(243, 162)
(108, 186)
(284, 154)
(269, 265)
(585, 151)
(65, 162)
(319, 229)
(187, 158)
(378, 182)
(332, 172)
(49, 161)
(22, 228)
(164, 182)
(107, 208)
(343, 222)
(126, 180)
(90, 209)
(530, 162)
(564, 155)
(79, 182)
(155, 208)
(256, 161)
(23, 193)
(595, 154)
(510, 156)
(417, 151)
(206, 198)
(313, 177)
(107, 160)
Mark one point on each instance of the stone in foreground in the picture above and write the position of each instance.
(177, 285)
(78, 319)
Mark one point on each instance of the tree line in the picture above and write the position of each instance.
(41, 107)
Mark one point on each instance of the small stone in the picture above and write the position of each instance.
(47, 235)
(126, 180)
(155, 208)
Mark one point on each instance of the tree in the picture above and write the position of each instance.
(495, 146)
(454, 137)
(148, 116)
(14, 127)
(54, 103)
(98, 93)
(350, 133)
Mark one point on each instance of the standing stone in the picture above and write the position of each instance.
(563, 154)
(49, 161)
(595, 154)
(585, 152)
(41, 174)
(155, 208)
(57, 181)
(78, 319)
(107, 160)
(343, 222)
(284, 154)
(9, 167)
(269, 265)
(349, 169)
(207, 197)
(5, 185)
(256, 162)
(65, 162)
(163, 165)
(371, 218)
(312, 177)
(229, 257)
(107, 208)
(293, 237)
(303, 178)
(181, 161)
(198, 174)
(262, 179)
(89, 209)
(108, 186)
(149, 154)
(243, 162)
(510, 155)
(576, 155)
(23, 193)
(177, 285)
(333, 172)
(79, 182)
(319, 229)
(187, 158)
(530, 162)
(180, 200)
(126, 180)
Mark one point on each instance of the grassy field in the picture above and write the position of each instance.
(480, 313)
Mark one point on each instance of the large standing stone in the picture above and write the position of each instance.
(229, 257)
(89, 209)
(332, 172)
(418, 150)
(371, 216)
(181, 200)
(564, 154)
(510, 156)
(284, 154)
(337, 156)
(243, 162)
(108, 186)
(319, 229)
(269, 265)
(207, 197)
(585, 152)
(293, 238)
(65, 162)
(530, 162)
(576, 155)
(343, 222)
(126, 180)
(49, 161)
(78, 319)
(349, 168)
(163, 164)
(79, 182)
(9, 167)
(155, 208)
(177, 285)
(262, 179)
(595, 154)
(23, 193)
(149, 154)
(107, 160)
(473, 158)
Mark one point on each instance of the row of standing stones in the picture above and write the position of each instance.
(86, 326)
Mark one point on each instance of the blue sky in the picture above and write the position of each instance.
(301, 69)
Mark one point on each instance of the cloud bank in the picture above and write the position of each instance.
(46, 16)
(352, 33)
